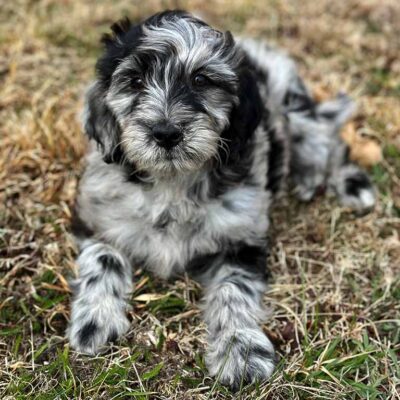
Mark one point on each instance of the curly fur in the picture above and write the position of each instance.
(200, 206)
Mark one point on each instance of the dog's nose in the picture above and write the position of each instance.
(166, 135)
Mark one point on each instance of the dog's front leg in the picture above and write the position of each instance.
(98, 314)
(238, 349)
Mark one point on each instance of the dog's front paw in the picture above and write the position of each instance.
(94, 325)
(245, 356)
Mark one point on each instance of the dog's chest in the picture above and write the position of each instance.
(169, 212)
(165, 228)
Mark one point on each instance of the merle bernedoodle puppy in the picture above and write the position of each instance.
(192, 135)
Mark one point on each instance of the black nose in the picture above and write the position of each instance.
(166, 135)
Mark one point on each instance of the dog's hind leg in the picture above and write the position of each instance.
(319, 157)
(98, 314)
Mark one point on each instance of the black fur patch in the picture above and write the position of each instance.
(92, 280)
(356, 183)
(86, 333)
(249, 352)
(115, 292)
(122, 32)
(111, 264)
(229, 176)
(228, 205)
(242, 284)
(79, 228)
(297, 99)
(251, 258)
(101, 124)
(244, 119)
(346, 156)
(276, 162)
(262, 352)
(163, 220)
(134, 176)
(200, 264)
(112, 337)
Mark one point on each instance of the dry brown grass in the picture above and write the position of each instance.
(335, 288)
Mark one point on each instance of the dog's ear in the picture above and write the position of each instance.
(117, 44)
(100, 124)
(118, 30)
(246, 115)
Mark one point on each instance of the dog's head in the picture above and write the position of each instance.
(172, 94)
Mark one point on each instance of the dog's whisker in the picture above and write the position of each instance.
(222, 144)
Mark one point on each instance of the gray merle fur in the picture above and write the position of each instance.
(244, 124)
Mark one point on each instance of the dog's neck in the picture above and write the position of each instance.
(190, 185)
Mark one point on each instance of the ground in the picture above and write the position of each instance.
(334, 290)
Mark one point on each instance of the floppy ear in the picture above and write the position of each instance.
(100, 123)
(245, 116)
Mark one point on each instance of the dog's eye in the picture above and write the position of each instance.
(200, 80)
(137, 83)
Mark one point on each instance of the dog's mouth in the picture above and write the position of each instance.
(179, 160)
(187, 152)
(170, 154)
(176, 156)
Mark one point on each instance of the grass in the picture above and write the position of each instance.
(334, 292)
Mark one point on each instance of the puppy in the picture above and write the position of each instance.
(193, 134)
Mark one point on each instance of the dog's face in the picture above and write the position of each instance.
(166, 93)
